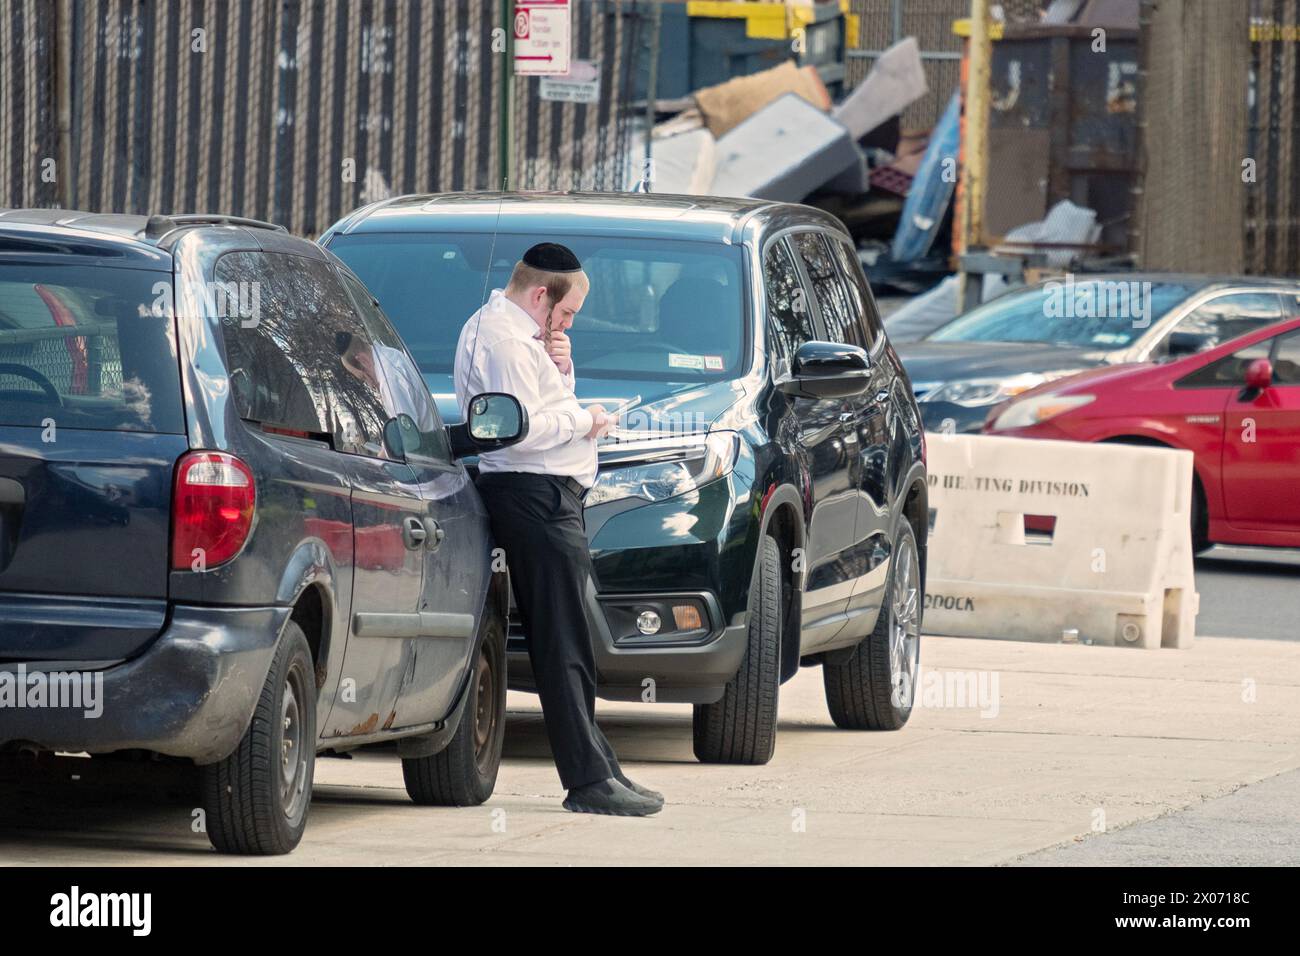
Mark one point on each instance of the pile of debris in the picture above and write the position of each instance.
(777, 135)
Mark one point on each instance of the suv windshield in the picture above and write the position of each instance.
(88, 347)
(1094, 313)
(658, 309)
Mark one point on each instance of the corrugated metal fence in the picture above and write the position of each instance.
(292, 110)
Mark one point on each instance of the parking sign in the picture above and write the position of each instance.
(542, 37)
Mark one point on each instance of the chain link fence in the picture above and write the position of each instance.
(567, 145)
(29, 159)
(290, 110)
(296, 111)
(885, 22)
(88, 364)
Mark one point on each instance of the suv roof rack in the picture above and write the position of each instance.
(159, 226)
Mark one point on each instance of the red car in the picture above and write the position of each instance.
(1236, 407)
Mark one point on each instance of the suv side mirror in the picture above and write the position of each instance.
(828, 370)
(1259, 376)
(496, 420)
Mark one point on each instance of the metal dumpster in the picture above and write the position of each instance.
(1062, 125)
(705, 42)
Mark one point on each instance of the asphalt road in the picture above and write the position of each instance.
(1256, 825)
(1249, 592)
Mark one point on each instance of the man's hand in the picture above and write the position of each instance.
(601, 421)
(560, 350)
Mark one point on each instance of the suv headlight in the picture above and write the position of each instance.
(1038, 408)
(659, 469)
(974, 392)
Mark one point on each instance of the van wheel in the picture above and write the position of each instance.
(464, 773)
(256, 800)
(875, 688)
(741, 727)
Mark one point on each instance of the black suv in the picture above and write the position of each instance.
(232, 526)
(763, 504)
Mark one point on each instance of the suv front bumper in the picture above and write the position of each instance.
(692, 668)
(190, 694)
(696, 548)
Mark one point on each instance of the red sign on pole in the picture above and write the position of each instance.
(543, 35)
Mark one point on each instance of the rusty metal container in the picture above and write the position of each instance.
(1063, 125)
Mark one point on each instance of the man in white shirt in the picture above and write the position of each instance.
(516, 343)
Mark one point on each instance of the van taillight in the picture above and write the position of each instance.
(212, 510)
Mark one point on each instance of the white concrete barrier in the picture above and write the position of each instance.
(1115, 566)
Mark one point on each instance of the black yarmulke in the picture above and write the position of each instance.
(552, 257)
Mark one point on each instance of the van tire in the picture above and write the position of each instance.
(464, 773)
(250, 806)
(741, 727)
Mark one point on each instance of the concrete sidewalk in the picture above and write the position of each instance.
(1082, 738)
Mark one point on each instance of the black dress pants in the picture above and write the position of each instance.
(538, 521)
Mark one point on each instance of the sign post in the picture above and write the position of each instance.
(505, 137)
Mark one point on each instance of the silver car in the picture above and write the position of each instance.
(1058, 327)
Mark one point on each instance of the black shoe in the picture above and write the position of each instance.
(612, 798)
(637, 788)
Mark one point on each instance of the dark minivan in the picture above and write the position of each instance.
(233, 528)
(763, 503)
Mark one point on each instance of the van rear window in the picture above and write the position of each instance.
(88, 346)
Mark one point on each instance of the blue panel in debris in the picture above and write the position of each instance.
(931, 191)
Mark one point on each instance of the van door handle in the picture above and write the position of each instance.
(435, 534)
(413, 533)
(11, 492)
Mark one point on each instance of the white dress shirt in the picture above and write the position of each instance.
(504, 353)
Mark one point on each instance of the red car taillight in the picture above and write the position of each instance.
(212, 510)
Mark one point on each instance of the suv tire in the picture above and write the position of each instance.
(256, 799)
(741, 727)
(464, 773)
(876, 687)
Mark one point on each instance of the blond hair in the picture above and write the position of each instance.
(558, 284)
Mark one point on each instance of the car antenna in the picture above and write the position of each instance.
(487, 279)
